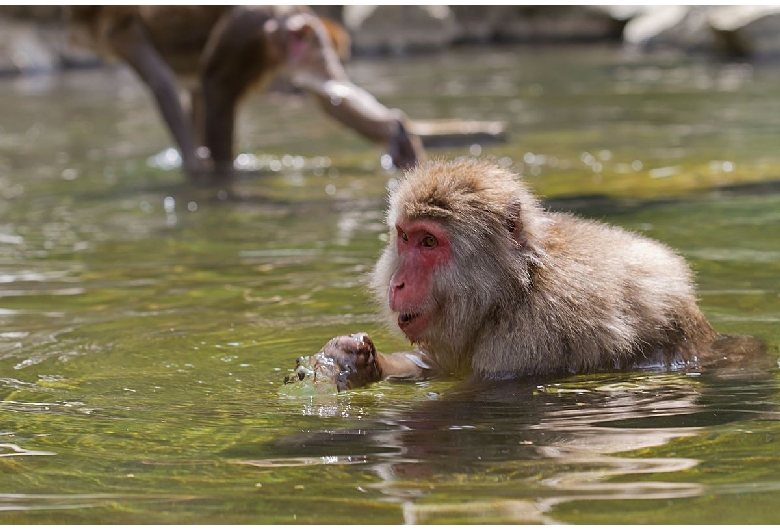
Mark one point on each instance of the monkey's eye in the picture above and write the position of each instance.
(429, 241)
(403, 235)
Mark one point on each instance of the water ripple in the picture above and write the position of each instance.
(15, 450)
(30, 502)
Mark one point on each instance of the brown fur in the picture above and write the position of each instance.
(530, 292)
(218, 53)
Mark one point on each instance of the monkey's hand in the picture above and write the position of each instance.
(405, 147)
(348, 361)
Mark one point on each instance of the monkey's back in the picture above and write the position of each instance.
(179, 33)
(606, 298)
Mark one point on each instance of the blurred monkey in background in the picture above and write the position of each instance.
(215, 54)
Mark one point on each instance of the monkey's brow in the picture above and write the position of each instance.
(427, 210)
(439, 202)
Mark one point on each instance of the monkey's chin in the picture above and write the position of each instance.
(413, 325)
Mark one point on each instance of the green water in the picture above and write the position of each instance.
(146, 326)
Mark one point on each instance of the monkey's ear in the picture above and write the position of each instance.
(514, 224)
(299, 27)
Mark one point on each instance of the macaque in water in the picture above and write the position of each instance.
(217, 53)
(488, 285)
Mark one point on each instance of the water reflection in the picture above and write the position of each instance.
(528, 447)
(12, 450)
(576, 450)
(31, 502)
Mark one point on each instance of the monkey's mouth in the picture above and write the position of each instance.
(412, 324)
(406, 318)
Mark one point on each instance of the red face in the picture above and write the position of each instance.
(423, 247)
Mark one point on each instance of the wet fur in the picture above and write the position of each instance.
(531, 292)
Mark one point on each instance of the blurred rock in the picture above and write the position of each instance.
(399, 29)
(682, 27)
(24, 49)
(749, 31)
(30, 47)
(33, 38)
(484, 24)
(562, 23)
(477, 24)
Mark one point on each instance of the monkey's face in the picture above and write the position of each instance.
(423, 248)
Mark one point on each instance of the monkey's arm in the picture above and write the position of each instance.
(361, 112)
(411, 366)
(130, 42)
(351, 105)
(351, 361)
(314, 66)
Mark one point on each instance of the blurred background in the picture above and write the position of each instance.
(32, 37)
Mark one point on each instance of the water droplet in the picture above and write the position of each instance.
(587, 158)
(386, 161)
(392, 184)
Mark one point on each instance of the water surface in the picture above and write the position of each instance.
(146, 326)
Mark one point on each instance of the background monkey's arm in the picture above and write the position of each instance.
(129, 40)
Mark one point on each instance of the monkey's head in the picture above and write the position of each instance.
(464, 236)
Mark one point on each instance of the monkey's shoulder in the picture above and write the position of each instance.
(589, 255)
(590, 238)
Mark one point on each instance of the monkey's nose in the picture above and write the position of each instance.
(393, 294)
(394, 288)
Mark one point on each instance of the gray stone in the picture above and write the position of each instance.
(560, 23)
(752, 31)
(24, 50)
(399, 29)
(477, 24)
(29, 47)
(683, 27)
(484, 24)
